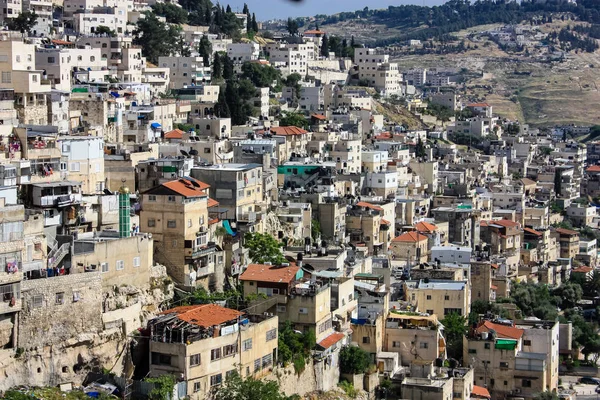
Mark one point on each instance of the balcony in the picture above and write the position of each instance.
(205, 271)
(62, 200)
(200, 252)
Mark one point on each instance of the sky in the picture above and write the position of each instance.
(269, 9)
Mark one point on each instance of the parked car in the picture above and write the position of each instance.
(588, 380)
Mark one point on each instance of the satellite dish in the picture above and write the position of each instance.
(184, 153)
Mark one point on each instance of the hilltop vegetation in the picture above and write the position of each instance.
(418, 22)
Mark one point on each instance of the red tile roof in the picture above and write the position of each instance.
(385, 222)
(270, 273)
(583, 270)
(384, 135)
(319, 116)
(493, 287)
(425, 227)
(212, 203)
(205, 315)
(533, 231)
(61, 42)
(314, 32)
(369, 205)
(563, 231)
(174, 134)
(479, 391)
(331, 340)
(495, 266)
(213, 221)
(593, 168)
(288, 131)
(185, 188)
(410, 237)
(505, 223)
(503, 331)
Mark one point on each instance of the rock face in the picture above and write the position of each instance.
(69, 327)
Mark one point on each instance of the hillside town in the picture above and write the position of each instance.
(193, 207)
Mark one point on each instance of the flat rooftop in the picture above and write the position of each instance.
(230, 167)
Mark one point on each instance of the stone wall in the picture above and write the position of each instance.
(58, 309)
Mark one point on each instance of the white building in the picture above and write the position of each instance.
(185, 71)
(59, 64)
(451, 254)
(88, 23)
(240, 53)
(291, 58)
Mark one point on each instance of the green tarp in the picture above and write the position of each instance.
(503, 344)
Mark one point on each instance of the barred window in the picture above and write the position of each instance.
(272, 334)
(267, 360)
(247, 344)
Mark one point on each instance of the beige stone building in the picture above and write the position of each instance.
(84, 156)
(176, 214)
(19, 73)
(11, 271)
(410, 246)
(367, 226)
(303, 302)
(118, 259)
(569, 243)
(210, 342)
(439, 297)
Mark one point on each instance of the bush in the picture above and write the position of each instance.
(299, 363)
(354, 360)
(348, 388)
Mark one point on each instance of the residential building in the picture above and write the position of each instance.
(84, 156)
(185, 71)
(439, 297)
(411, 246)
(176, 214)
(210, 342)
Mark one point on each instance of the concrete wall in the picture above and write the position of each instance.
(55, 322)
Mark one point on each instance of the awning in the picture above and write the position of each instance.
(155, 125)
(504, 344)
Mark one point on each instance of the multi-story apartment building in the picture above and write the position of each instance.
(176, 214)
(87, 23)
(305, 302)
(210, 342)
(240, 53)
(238, 188)
(185, 71)
(84, 156)
(569, 242)
(377, 69)
(291, 58)
(11, 270)
(43, 10)
(59, 63)
(366, 226)
(439, 297)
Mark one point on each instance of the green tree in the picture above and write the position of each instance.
(228, 9)
(221, 107)
(568, 294)
(254, 23)
(228, 67)
(205, 50)
(558, 182)
(156, 38)
(292, 26)
(236, 388)
(217, 69)
(294, 119)
(592, 286)
(354, 360)
(105, 30)
(172, 13)
(420, 148)
(23, 23)
(534, 300)
(315, 229)
(455, 327)
(261, 75)
(325, 46)
(547, 396)
(264, 248)
(163, 387)
(245, 10)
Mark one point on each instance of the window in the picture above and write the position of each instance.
(267, 360)
(74, 166)
(171, 223)
(171, 199)
(281, 308)
(104, 266)
(216, 379)
(136, 261)
(526, 383)
(34, 78)
(272, 334)
(229, 350)
(446, 297)
(120, 265)
(366, 339)
(247, 344)
(430, 312)
(424, 345)
(503, 365)
(51, 60)
(526, 342)
(6, 77)
(257, 365)
(197, 387)
(428, 297)
(486, 345)
(472, 351)
(60, 298)
(395, 344)
(151, 222)
(303, 310)
(161, 359)
(194, 360)
(37, 301)
(215, 354)
(152, 197)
